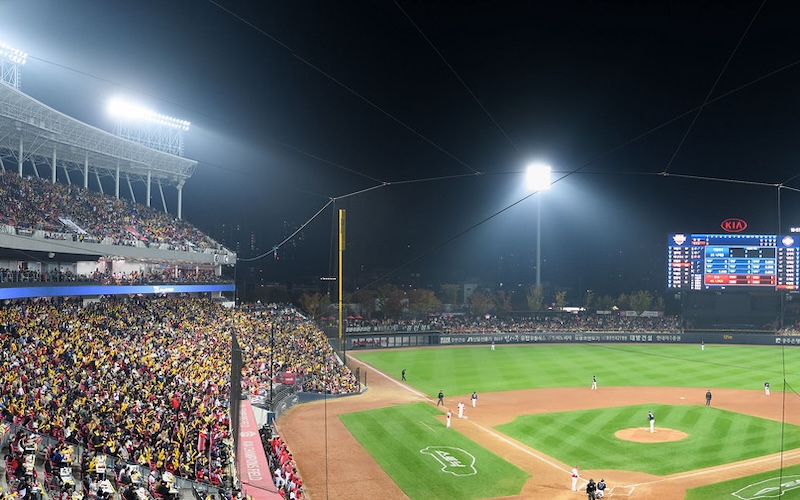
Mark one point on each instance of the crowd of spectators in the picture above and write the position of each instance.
(282, 464)
(566, 322)
(299, 348)
(173, 275)
(147, 379)
(793, 328)
(35, 203)
(165, 275)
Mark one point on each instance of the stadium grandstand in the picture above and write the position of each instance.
(79, 232)
(123, 349)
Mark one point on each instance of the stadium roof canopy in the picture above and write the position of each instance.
(32, 131)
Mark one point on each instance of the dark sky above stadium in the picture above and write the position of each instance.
(419, 118)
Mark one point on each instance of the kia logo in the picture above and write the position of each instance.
(733, 225)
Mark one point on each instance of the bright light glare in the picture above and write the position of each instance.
(16, 56)
(121, 109)
(537, 177)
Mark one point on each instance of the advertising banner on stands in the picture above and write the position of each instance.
(252, 459)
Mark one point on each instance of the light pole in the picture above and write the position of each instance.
(537, 179)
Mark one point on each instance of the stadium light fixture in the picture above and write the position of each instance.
(537, 179)
(126, 110)
(16, 56)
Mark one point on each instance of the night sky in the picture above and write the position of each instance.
(420, 117)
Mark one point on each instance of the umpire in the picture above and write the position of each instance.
(591, 489)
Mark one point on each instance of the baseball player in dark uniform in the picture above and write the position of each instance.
(441, 398)
(601, 489)
(708, 398)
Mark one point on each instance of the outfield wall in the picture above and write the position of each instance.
(407, 339)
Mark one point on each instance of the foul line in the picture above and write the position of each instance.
(747, 463)
(397, 382)
(428, 426)
(520, 448)
(489, 431)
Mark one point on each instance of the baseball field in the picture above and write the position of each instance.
(536, 417)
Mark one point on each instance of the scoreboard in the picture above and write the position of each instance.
(718, 261)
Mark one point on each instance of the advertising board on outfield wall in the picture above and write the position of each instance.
(394, 339)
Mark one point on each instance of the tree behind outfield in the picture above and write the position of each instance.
(422, 302)
(561, 299)
(641, 301)
(315, 303)
(367, 299)
(450, 294)
(536, 298)
(480, 303)
(392, 300)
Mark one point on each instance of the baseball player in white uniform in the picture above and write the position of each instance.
(594, 381)
(474, 399)
(461, 409)
(766, 388)
(449, 415)
(652, 420)
(575, 476)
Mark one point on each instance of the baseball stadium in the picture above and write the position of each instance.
(131, 370)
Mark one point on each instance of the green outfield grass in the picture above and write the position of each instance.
(715, 437)
(405, 440)
(465, 369)
(586, 437)
(768, 484)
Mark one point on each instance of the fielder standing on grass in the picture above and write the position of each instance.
(594, 381)
(652, 420)
(449, 416)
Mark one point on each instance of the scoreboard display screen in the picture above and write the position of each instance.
(717, 261)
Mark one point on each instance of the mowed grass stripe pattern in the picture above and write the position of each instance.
(465, 369)
(715, 437)
(394, 437)
(789, 477)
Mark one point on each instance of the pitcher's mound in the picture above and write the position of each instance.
(643, 435)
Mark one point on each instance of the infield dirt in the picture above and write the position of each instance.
(334, 466)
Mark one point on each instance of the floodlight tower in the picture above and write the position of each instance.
(144, 126)
(11, 61)
(537, 180)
